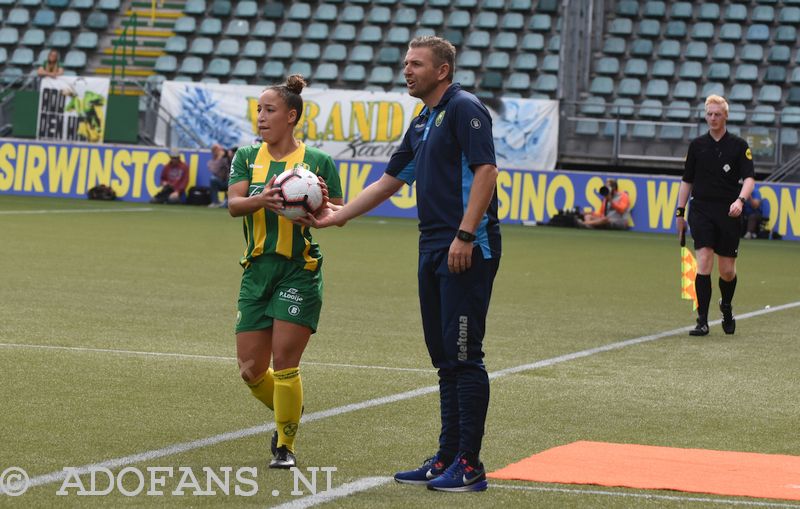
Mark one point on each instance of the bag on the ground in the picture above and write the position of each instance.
(101, 192)
(198, 195)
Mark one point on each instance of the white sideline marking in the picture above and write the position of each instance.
(197, 356)
(352, 407)
(345, 490)
(72, 211)
(727, 501)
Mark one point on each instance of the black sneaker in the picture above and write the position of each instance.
(728, 323)
(284, 458)
(701, 329)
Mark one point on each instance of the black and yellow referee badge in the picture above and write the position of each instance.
(439, 118)
(748, 154)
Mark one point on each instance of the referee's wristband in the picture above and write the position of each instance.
(680, 212)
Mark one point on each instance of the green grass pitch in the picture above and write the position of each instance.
(103, 278)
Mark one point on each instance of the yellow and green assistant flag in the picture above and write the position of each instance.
(688, 274)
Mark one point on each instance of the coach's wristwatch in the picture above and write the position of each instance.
(743, 200)
(680, 211)
(465, 236)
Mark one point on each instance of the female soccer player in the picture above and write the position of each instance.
(281, 291)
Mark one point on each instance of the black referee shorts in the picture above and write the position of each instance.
(711, 226)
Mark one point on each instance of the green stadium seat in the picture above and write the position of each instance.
(505, 40)
(642, 48)
(175, 44)
(44, 18)
(290, 30)
(20, 17)
(185, 25)
(611, 129)
(651, 108)
(741, 92)
(344, 32)
(238, 28)
(522, 81)
(644, 131)
(57, 39)
(545, 83)
(685, 90)
(789, 136)
(623, 107)
(670, 132)
(379, 15)
(326, 72)
(551, 64)
(697, 50)
(361, 53)
(763, 14)
(635, 67)
(607, 66)
(629, 87)
(621, 26)
(678, 110)
(227, 48)
(493, 5)
(719, 71)
(478, 39)
(466, 77)
(664, 69)
(770, 94)
(730, 32)
(299, 11)
(191, 65)
(554, 46)
(11, 74)
(763, 114)
(519, 5)
(355, 14)
(108, 5)
(273, 10)
(525, 62)
(204, 79)
(398, 35)
(370, 34)
(703, 31)
(512, 21)
(308, 51)
(74, 59)
(691, 70)
(655, 88)
(751, 53)
(275, 70)
(85, 40)
(757, 33)
(681, 10)
(264, 28)
(469, 59)
(195, 7)
(334, 53)
(779, 54)
(709, 12)
(437, 3)
(785, 33)
(23, 57)
(454, 36)
(669, 48)
(789, 16)
(219, 66)
(593, 105)
(790, 116)
(654, 9)
(34, 37)
(712, 88)
(280, 50)
(390, 56)
(775, 74)
(535, 42)
(614, 46)
(246, 9)
(550, 6)
(69, 19)
(746, 73)
(649, 28)
(245, 68)
(221, 8)
(9, 36)
(723, 52)
(676, 29)
(317, 32)
(736, 113)
(627, 8)
(3, 56)
(601, 85)
(97, 21)
(210, 26)
(55, 4)
(540, 23)
(302, 68)
(381, 75)
(255, 49)
(432, 18)
(407, 16)
(354, 73)
(736, 12)
(486, 20)
(201, 46)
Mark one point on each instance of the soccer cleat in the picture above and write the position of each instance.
(701, 329)
(461, 476)
(284, 458)
(728, 323)
(431, 469)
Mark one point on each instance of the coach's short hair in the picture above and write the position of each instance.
(717, 99)
(443, 50)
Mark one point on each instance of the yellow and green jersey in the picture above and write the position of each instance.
(266, 232)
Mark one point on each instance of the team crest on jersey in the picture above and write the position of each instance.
(439, 118)
(475, 123)
(748, 154)
(302, 166)
(727, 168)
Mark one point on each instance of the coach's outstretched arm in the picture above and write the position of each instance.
(375, 194)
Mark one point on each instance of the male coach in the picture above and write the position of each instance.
(719, 176)
(449, 151)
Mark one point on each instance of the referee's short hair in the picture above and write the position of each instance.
(717, 99)
(443, 50)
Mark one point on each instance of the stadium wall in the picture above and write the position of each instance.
(35, 168)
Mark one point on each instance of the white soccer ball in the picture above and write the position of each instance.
(300, 191)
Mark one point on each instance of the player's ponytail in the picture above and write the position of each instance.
(290, 93)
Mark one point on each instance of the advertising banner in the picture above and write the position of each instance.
(72, 108)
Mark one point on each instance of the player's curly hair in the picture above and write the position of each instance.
(290, 93)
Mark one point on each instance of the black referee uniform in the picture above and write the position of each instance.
(716, 169)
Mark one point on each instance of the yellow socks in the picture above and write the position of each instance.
(288, 405)
(264, 388)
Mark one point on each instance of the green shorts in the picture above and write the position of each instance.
(274, 288)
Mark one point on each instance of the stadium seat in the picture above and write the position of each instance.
(770, 94)
(469, 59)
(435, 18)
(703, 31)
(623, 107)
(57, 39)
(676, 29)
(525, 62)
(644, 131)
(325, 72)
(299, 11)
(627, 8)
(545, 83)
(226, 48)
(736, 113)
(757, 33)
(389, 56)
(550, 6)
(9, 36)
(302, 68)
(370, 34)
(334, 53)
(275, 70)
(587, 127)
(87, 40)
(540, 23)
(751, 53)
(493, 5)
(629, 87)
(75, 59)
(746, 73)
(486, 20)
(512, 21)
(379, 15)
(255, 49)
(192, 65)
(607, 66)
(612, 46)
(785, 33)
(697, 50)
(593, 105)
(280, 50)
(219, 66)
(175, 44)
(736, 12)
(316, 32)
(22, 57)
(691, 70)
(723, 52)
(779, 54)
(308, 51)
(789, 137)
(741, 92)
(20, 17)
(355, 14)
(290, 30)
(248, 9)
(670, 132)
(3, 56)
(664, 69)
(221, 8)
(185, 25)
(516, 5)
(730, 32)
(245, 68)
(478, 39)
(651, 108)
(621, 26)
(201, 46)
(763, 114)
(790, 116)
(685, 90)
(611, 129)
(195, 7)
(34, 37)
(642, 48)
(55, 4)
(344, 33)
(238, 28)
(44, 18)
(719, 71)
(166, 64)
(398, 35)
(681, 10)
(635, 67)
(649, 28)
(708, 12)
(551, 64)
(678, 110)
(406, 16)
(498, 60)
(108, 5)
(381, 75)
(763, 14)
(657, 88)
(601, 85)
(505, 40)
(789, 16)
(97, 21)
(361, 53)
(273, 10)
(669, 48)
(775, 74)
(264, 28)
(354, 72)
(532, 42)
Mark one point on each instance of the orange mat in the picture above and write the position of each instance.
(662, 468)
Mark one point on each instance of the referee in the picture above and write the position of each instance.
(719, 176)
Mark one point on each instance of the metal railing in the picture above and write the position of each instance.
(128, 37)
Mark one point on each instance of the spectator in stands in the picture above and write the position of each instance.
(219, 166)
(614, 212)
(50, 68)
(753, 216)
(174, 177)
